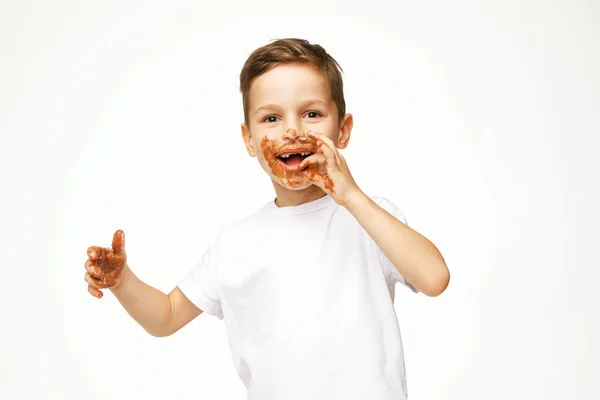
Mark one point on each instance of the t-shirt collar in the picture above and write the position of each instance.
(311, 206)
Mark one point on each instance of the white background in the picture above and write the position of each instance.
(479, 119)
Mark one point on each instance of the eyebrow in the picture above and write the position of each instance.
(303, 105)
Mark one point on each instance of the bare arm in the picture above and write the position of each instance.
(414, 256)
(158, 313)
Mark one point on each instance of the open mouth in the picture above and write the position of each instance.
(291, 161)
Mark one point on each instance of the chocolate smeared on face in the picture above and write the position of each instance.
(312, 174)
(284, 161)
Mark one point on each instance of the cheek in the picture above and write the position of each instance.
(265, 164)
(329, 130)
(266, 154)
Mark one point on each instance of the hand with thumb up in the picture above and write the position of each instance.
(104, 266)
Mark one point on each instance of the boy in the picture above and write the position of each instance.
(305, 286)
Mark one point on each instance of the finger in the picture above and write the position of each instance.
(95, 292)
(342, 162)
(94, 282)
(323, 139)
(93, 269)
(110, 280)
(118, 242)
(327, 148)
(314, 177)
(323, 181)
(313, 160)
(96, 253)
(329, 155)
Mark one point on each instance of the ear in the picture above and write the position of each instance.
(345, 131)
(248, 140)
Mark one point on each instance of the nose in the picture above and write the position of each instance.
(292, 135)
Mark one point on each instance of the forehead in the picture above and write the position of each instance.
(289, 83)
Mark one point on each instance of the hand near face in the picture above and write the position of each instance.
(336, 181)
(105, 265)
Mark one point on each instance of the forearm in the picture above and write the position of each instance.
(148, 306)
(413, 255)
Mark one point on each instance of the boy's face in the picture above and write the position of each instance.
(284, 103)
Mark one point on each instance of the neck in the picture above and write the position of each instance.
(287, 197)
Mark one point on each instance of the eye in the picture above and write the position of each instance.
(270, 118)
(313, 114)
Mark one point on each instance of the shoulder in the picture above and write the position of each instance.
(378, 199)
(383, 202)
(389, 206)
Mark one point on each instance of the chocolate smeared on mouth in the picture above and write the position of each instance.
(294, 158)
(283, 162)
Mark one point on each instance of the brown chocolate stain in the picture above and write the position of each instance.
(325, 180)
(313, 172)
(108, 262)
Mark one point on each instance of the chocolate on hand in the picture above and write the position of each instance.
(105, 265)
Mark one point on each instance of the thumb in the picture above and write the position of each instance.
(118, 243)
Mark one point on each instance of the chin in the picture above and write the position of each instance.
(292, 182)
(298, 187)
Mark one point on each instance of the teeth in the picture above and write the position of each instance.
(288, 155)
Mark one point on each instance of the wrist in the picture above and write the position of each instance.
(356, 200)
(124, 278)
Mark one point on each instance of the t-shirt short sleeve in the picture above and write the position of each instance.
(200, 284)
(391, 272)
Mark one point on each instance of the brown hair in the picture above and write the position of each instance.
(284, 51)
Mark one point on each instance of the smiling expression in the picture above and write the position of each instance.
(285, 103)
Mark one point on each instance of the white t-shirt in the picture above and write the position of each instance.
(307, 299)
